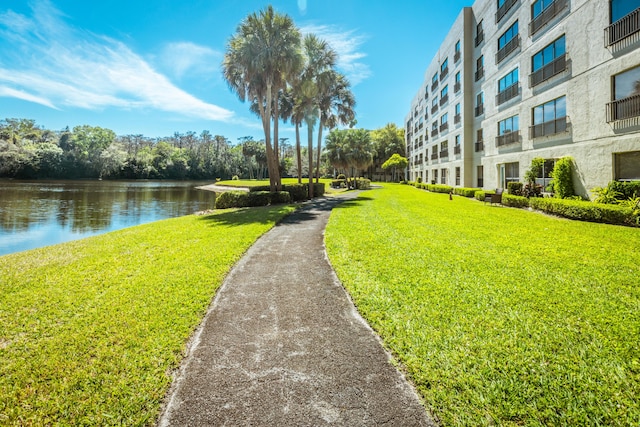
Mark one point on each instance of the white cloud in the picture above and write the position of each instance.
(46, 61)
(347, 45)
(189, 58)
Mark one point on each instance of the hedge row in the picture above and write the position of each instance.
(481, 194)
(298, 192)
(585, 210)
(243, 199)
(465, 192)
(435, 188)
(514, 201)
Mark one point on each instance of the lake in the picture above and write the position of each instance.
(41, 213)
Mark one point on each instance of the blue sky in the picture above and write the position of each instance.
(153, 67)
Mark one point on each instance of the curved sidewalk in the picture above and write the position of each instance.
(282, 345)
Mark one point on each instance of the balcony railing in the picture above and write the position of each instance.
(443, 73)
(456, 56)
(434, 132)
(507, 94)
(622, 28)
(456, 87)
(479, 73)
(444, 153)
(456, 149)
(553, 68)
(551, 127)
(508, 138)
(444, 126)
(456, 119)
(426, 95)
(478, 146)
(511, 45)
(625, 108)
(434, 85)
(480, 110)
(444, 99)
(547, 15)
(434, 156)
(434, 108)
(502, 10)
(479, 38)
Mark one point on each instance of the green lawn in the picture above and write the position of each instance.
(91, 330)
(500, 316)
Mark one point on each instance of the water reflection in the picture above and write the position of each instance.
(35, 213)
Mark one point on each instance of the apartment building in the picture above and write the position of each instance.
(519, 79)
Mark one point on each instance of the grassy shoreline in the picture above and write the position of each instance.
(500, 316)
(91, 330)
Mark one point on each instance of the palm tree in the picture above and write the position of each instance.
(359, 151)
(292, 111)
(336, 103)
(336, 149)
(260, 57)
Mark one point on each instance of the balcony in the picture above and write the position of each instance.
(456, 87)
(456, 119)
(456, 56)
(478, 146)
(444, 126)
(434, 156)
(480, 110)
(434, 85)
(507, 94)
(553, 68)
(551, 127)
(511, 45)
(622, 28)
(434, 108)
(434, 132)
(507, 138)
(444, 154)
(444, 99)
(479, 73)
(443, 73)
(421, 125)
(547, 15)
(426, 95)
(456, 149)
(625, 108)
(502, 10)
(479, 38)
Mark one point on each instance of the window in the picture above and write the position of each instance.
(456, 146)
(480, 173)
(435, 176)
(434, 128)
(543, 11)
(625, 21)
(444, 68)
(626, 95)
(434, 81)
(479, 67)
(479, 145)
(456, 118)
(444, 122)
(456, 55)
(627, 166)
(548, 62)
(458, 176)
(444, 149)
(479, 104)
(538, 6)
(434, 104)
(621, 8)
(508, 87)
(456, 85)
(511, 173)
(549, 118)
(508, 42)
(508, 131)
(503, 7)
(443, 176)
(479, 34)
(444, 95)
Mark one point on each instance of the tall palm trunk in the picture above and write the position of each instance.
(310, 144)
(299, 153)
(276, 149)
(319, 150)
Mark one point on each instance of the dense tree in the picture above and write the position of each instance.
(387, 141)
(349, 150)
(396, 163)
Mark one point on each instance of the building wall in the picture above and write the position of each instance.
(586, 84)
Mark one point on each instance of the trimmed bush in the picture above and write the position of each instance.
(585, 211)
(481, 194)
(515, 201)
(259, 198)
(341, 176)
(298, 192)
(514, 188)
(280, 198)
(318, 189)
(465, 192)
(562, 180)
(363, 184)
(419, 180)
(338, 183)
(232, 199)
(439, 188)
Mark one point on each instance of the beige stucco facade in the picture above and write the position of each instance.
(500, 136)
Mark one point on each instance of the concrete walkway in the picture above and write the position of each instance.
(282, 345)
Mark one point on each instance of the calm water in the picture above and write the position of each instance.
(41, 213)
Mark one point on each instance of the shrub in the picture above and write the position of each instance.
(586, 211)
(562, 180)
(318, 189)
(232, 199)
(341, 176)
(280, 198)
(419, 180)
(298, 192)
(439, 188)
(363, 184)
(515, 201)
(338, 183)
(466, 192)
(481, 194)
(260, 188)
(514, 188)
(620, 190)
(235, 178)
(259, 198)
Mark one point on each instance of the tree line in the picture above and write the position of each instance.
(29, 151)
